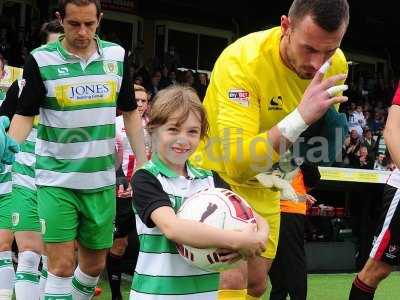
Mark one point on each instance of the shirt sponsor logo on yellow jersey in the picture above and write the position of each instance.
(276, 103)
(239, 96)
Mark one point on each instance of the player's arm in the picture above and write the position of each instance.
(154, 209)
(392, 129)
(248, 151)
(133, 123)
(134, 132)
(32, 92)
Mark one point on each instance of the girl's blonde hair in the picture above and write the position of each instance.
(177, 99)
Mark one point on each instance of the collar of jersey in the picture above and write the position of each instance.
(67, 55)
(167, 172)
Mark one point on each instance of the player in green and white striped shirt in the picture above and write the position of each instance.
(7, 274)
(24, 216)
(75, 84)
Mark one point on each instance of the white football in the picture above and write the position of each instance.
(220, 208)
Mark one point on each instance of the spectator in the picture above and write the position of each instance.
(362, 159)
(138, 79)
(368, 119)
(357, 120)
(172, 76)
(188, 78)
(352, 108)
(377, 122)
(201, 85)
(380, 163)
(350, 146)
(369, 142)
(146, 71)
(154, 86)
(165, 81)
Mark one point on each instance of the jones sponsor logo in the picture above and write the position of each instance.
(89, 91)
(86, 93)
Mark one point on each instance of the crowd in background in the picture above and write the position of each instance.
(364, 147)
(366, 111)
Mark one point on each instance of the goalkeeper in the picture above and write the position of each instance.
(265, 89)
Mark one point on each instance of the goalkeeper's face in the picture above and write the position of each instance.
(175, 140)
(305, 46)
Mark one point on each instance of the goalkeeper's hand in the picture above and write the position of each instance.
(284, 186)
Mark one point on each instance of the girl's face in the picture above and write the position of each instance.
(174, 144)
(142, 102)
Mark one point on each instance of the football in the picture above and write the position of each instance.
(216, 207)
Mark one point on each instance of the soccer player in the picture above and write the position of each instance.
(7, 275)
(385, 251)
(177, 123)
(25, 220)
(75, 84)
(125, 218)
(265, 90)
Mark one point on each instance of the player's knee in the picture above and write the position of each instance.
(374, 272)
(62, 267)
(29, 259)
(256, 288)
(94, 269)
(5, 246)
(381, 271)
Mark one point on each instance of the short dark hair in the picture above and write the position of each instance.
(328, 14)
(53, 26)
(62, 4)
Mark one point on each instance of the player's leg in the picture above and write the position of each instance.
(43, 273)
(27, 230)
(58, 212)
(259, 268)
(385, 252)
(277, 276)
(114, 266)
(288, 273)
(95, 237)
(7, 274)
(235, 282)
(124, 224)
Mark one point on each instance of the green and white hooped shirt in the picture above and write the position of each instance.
(23, 169)
(161, 273)
(5, 181)
(10, 75)
(76, 100)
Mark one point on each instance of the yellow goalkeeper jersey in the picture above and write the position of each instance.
(250, 91)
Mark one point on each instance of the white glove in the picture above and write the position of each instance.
(284, 186)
